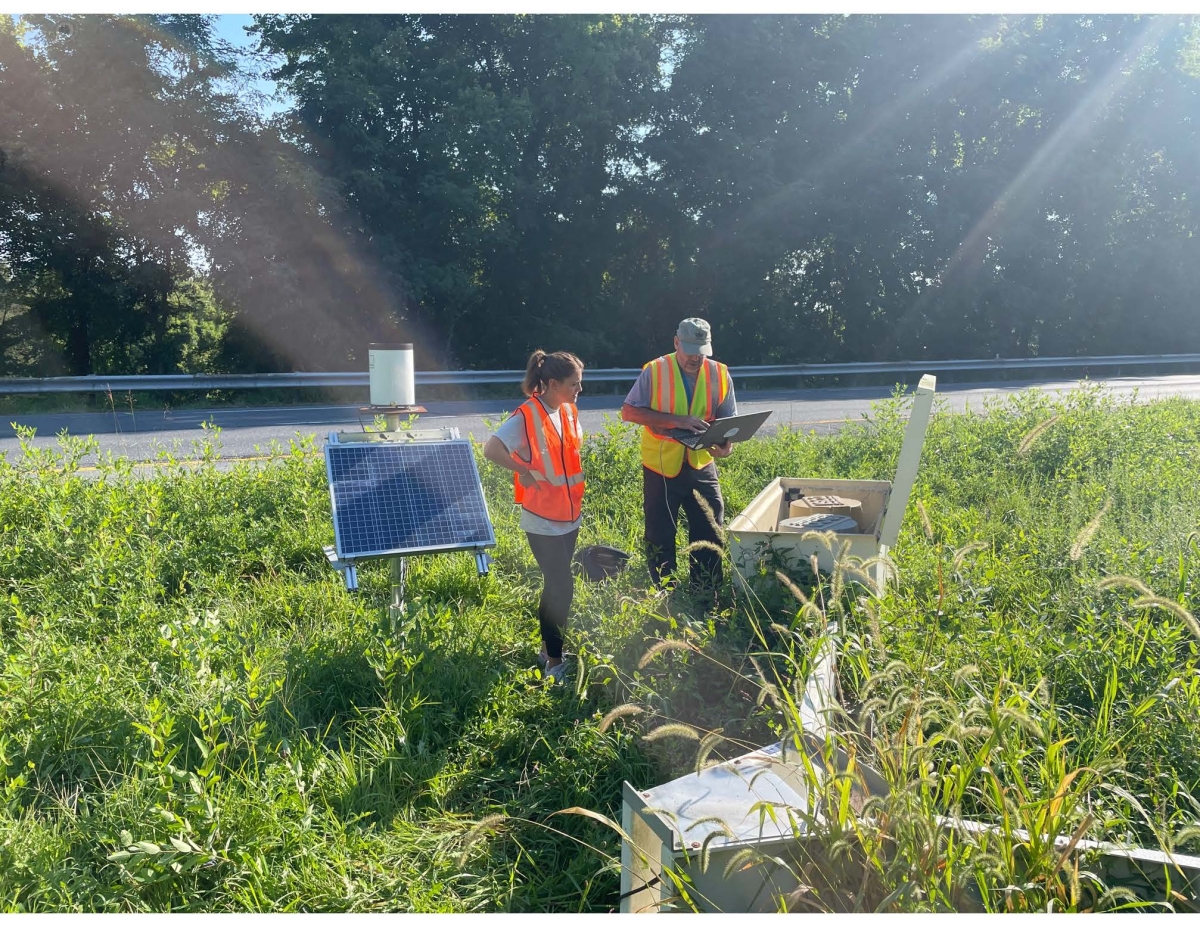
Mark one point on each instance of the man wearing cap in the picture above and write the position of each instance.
(686, 389)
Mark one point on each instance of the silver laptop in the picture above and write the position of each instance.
(734, 428)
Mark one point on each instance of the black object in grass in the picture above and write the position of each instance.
(599, 561)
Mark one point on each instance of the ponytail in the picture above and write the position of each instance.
(543, 367)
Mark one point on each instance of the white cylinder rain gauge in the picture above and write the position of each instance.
(393, 382)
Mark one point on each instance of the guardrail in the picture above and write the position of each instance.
(100, 383)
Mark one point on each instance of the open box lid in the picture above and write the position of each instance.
(910, 456)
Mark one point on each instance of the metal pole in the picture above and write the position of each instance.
(399, 567)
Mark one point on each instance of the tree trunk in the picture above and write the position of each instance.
(79, 348)
(162, 320)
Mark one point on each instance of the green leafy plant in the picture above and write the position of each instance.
(196, 715)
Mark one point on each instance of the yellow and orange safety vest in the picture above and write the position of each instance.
(667, 394)
(560, 497)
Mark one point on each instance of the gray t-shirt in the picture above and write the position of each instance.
(639, 396)
(512, 435)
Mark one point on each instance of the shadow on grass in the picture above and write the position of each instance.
(394, 712)
(326, 690)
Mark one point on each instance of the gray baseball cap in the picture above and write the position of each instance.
(695, 337)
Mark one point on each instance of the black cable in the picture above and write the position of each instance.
(642, 888)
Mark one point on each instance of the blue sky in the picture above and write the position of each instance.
(230, 28)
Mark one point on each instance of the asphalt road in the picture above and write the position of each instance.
(246, 432)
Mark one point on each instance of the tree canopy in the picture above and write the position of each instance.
(819, 187)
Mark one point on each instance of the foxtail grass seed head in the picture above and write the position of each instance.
(1089, 530)
(1036, 432)
(925, 522)
(824, 538)
(881, 570)
(872, 614)
(1021, 719)
(1154, 601)
(671, 729)
(963, 552)
(707, 509)
(621, 711)
(703, 545)
(706, 846)
(1122, 582)
(841, 564)
(722, 825)
(710, 742)
(812, 612)
(742, 859)
(662, 647)
(485, 826)
(791, 587)
(758, 672)
(767, 691)
(1185, 834)
(1116, 896)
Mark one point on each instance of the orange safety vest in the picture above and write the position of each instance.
(560, 497)
(667, 394)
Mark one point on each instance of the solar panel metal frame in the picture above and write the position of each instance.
(406, 551)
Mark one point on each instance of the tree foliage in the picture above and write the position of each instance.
(820, 187)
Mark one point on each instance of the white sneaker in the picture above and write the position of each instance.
(543, 658)
(557, 673)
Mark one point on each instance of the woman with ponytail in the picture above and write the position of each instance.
(540, 444)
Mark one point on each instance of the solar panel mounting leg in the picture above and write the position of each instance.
(399, 569)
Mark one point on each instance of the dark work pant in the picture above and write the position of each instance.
(661, 501)
(553, 554)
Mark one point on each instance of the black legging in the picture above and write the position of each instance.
(553, 554)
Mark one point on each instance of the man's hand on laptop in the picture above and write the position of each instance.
(721, 450)
(691, 423)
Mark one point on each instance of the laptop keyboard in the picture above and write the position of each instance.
(685, 437)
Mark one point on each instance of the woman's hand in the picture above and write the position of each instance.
(497, 453)
(528, 478)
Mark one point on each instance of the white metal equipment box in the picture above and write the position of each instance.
(757, 533)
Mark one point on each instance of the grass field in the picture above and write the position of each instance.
(195, 714)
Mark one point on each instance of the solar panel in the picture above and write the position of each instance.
(420, 497)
